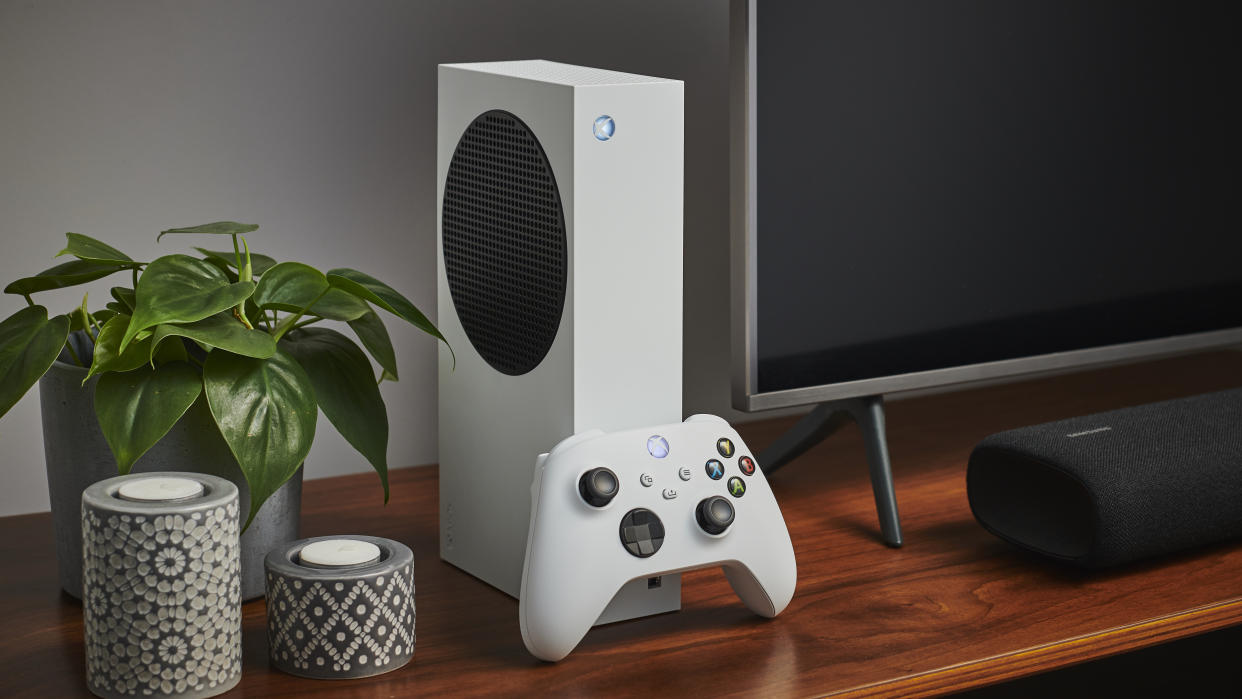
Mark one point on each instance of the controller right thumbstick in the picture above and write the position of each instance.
(714, 514)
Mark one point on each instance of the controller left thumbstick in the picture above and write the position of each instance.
(598, 486)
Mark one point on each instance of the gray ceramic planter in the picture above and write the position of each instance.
(77, 456)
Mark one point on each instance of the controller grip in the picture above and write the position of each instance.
(557, 610)
(765, 590)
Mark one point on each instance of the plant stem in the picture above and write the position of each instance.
(243, 275)
(308, 321)
(287, 324)
(135, 269)
(28, 299)
(74, 354)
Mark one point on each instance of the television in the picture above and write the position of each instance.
(927, 193)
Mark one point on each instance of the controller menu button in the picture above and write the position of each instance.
(642, 532)
(724, 445)
(714, 514)
(747, 465)
(715, 469)
(598, 486)
(684, 473)
(737, 488)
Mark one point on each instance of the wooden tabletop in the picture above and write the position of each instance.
(954, 608)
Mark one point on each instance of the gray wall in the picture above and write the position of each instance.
(317, 120)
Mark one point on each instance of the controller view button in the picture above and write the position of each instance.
(737, 488)
(598, 486)
(715, 470)
(747, 465)
(714, 514)
(670, 494)
(646, 480)
(684, 473)
(725, 446)
(642, 532)
(657, 446)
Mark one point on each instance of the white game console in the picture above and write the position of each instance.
(608, 509)
(559, 263)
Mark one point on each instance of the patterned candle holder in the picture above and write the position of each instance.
(340, 607)
(161, 586)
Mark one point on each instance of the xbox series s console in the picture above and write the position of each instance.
(559, 264)
(640, 504)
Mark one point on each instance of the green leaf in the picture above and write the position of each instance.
(80, 318)
(260, 263)
(265, 409)
(85, 247)
(124, 297)
(103, 316)
(109, 357)
(290, 285)
(172, 351)
(222, 331)
(374, 336)
(371, 289)
(136, 409)
(118, 308)
(29, 343)
(62, 275)
(345, 390)
(334, 305)
(217, 228)
(181, 289)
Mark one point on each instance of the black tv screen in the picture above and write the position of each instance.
(941, 183)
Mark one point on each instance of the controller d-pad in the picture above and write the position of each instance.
(642, 532)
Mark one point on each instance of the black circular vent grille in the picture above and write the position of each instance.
(504, 242)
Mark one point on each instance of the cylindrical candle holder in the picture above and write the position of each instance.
(340, 607)
(161, 585)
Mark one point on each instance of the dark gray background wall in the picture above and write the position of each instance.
(316, 120)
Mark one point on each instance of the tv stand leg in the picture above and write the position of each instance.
(821, 423)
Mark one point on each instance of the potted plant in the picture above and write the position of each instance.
(215, 363)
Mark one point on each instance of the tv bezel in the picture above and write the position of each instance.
(743, 289)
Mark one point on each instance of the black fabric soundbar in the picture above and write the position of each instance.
(1114, 487)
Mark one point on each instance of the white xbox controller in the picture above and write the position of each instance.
(610, 508)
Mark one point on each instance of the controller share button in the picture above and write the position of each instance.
(642, 532)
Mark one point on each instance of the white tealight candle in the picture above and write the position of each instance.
(334, 553)
(160, 489)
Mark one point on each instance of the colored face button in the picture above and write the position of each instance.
(715, 469)
(725, 446)
(737, 488)
(642, 532)
(657, 446)
(747, 465)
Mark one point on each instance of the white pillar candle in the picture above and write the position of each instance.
(160, 489)
(334, 553)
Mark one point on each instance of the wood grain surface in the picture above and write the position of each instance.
(954, 608)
